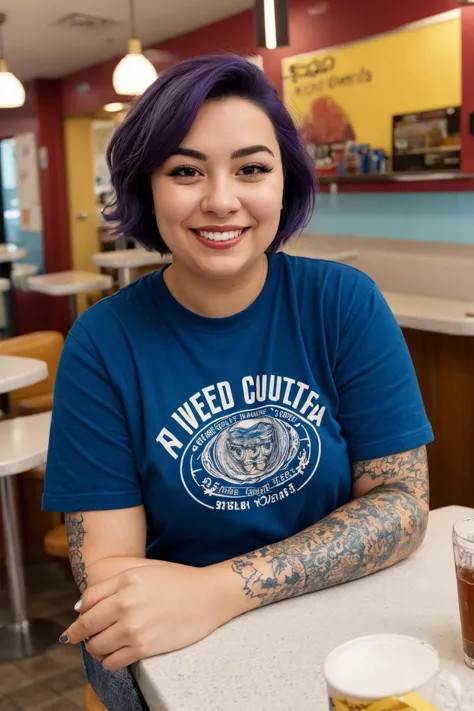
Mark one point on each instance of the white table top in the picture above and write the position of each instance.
(270, 659)
(129, 258)
(4, 285)
(10, 253)
(23, 443)
(429, 313)
(16, 372)
(67, 283)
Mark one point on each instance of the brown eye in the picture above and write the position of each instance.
(255, 169)
(184, 171)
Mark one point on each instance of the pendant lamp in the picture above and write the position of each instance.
(12, 92)
(134, 73)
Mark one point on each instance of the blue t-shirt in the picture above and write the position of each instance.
(234, 432)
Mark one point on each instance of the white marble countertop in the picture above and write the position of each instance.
(129, 258)
(270, 659)
(17, 372)
(430, 313)
(23, 443)
(10, 253)
(68, 283)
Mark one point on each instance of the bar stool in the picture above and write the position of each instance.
(91, 702)
(23, 445)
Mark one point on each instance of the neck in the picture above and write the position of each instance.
(216, 298)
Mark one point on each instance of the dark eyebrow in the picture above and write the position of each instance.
(241, 153)
(190, 153)
(250, 150)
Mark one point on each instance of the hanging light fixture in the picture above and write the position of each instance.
(271, 23)
(12, 92)
(134, 73)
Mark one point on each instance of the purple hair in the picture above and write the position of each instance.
(161, 119)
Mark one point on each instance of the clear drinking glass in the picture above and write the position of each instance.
(463, 542)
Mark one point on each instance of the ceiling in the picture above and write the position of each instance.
(36, 47)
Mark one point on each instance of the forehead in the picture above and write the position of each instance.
(230, 124)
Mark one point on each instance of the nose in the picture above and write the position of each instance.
(221, 198)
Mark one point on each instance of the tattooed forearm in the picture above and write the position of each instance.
(75, 539)
(370, 533)
(408, 469)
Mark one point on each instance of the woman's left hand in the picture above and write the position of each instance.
(145, 611)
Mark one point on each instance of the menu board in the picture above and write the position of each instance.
(427, 140)
(350, 93)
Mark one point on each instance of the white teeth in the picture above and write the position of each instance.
(219, 236)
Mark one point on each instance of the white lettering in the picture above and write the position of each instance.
(316, 415)
(289, 382)
(309, 401)
(188, 415)
(261, 387)
(225, 392)
(205, 416)
(274, 388)
(247, 383)
(169, 442)
(210, 397)
(301, 388)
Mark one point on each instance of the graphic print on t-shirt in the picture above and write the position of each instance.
(248, 457)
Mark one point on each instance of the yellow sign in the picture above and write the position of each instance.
(351, 92)
(411, 702)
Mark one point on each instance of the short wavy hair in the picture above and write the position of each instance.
(162, 117)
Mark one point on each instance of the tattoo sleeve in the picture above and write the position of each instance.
(372, 532)
(75, 540)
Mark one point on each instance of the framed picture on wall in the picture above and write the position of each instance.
(427, 140)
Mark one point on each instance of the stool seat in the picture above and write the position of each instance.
(91, 702)
(36, 404)
(55, 542)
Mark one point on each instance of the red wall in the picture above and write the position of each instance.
(344, 21)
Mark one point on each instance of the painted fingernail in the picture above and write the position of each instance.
(78, 605)
(63, 639)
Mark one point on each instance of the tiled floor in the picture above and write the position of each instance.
(55, 680)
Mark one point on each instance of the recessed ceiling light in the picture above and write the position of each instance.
(114, 107)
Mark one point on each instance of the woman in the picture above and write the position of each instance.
(243, 426)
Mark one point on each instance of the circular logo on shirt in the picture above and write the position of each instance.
(251, 458)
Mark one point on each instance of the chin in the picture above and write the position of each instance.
(224, 266)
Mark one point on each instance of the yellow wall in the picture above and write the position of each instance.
(410, 70)
(80, 189)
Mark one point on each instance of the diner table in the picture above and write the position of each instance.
(271, 659)
(23, 445)
(69, 283)
(124, 260)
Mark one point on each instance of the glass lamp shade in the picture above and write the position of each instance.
(12, 91)
(134, 73)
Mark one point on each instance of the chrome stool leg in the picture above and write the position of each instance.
(22, 637)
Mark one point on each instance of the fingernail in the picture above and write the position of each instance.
(78, 605)
(63, 639)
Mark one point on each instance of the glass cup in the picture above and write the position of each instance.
(389, 672)
(463, 542)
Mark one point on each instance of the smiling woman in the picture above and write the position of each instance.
(243, 426)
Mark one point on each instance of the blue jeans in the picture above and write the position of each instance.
(118, 691)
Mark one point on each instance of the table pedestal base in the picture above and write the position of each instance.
(27, 639)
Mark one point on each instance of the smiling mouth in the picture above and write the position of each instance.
(220, 236)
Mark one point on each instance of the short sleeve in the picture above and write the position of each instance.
(381, 410)
(90, 463)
